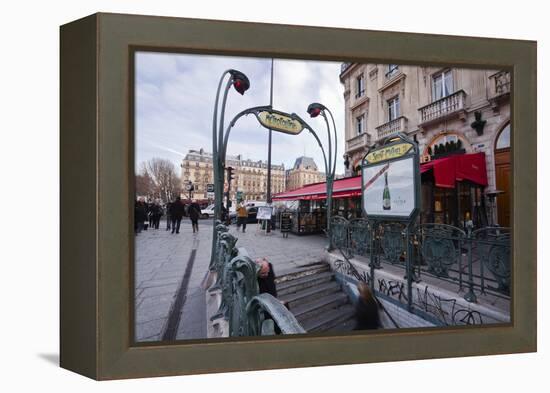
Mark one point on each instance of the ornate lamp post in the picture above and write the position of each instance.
(241, 84)
(315, 110)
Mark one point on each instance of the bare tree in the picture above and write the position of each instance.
(165, 184)
(144, 184)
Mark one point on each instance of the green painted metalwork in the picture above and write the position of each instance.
(493, 247)
(359, 236)
(339, 232)
(218, 229)
(392, 241)
(242, 285)
(440, 247)
(267, 316)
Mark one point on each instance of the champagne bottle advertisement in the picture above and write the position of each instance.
(388, 188)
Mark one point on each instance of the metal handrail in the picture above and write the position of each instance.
(266, 314)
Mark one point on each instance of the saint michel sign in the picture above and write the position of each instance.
(391, 181)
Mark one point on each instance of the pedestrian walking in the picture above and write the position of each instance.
(266, 277)
(176, 213)
(155, 214)
(242, 217)
(366, 309)
(194, 212)
(140, 215)
(168, 218)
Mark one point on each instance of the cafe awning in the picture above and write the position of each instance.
(342, 188)
(447, 171)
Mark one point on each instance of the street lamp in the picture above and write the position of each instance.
(315, 109)
(241, 84)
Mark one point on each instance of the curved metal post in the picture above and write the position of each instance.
(215, 166)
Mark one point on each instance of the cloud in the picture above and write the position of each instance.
(175, 96)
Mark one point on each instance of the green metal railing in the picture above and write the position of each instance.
(477, 261)
(248, 312)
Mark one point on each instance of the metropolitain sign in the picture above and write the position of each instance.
(279, 121)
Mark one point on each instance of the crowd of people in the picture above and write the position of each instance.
(148, 214)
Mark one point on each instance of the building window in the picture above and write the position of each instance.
(393, 109)
(360, 124)
(393, 69)
(360, 86)
(445, 145)
(442, 85)
(503, 141)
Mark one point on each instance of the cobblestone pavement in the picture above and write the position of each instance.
(161, 261)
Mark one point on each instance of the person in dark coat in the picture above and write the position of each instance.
(168, 219)
(140, 215)
(155, 212)
(176, 213)
(266, 277)
(194, 212)
(366, 309)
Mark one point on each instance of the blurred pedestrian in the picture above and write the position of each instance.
(168, 219)
(366, 309)
(242, 216)
(194, 212)
(266, 277)
(140, 215)
(155, 214)
(176, 213)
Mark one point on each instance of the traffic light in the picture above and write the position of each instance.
(230, 174)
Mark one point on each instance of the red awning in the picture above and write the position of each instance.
(447, 171)
(342, 188)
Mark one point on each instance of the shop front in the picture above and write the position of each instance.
(452, 193)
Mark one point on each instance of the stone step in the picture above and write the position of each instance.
(328, 320)
(346, 326)
(302, 271)
(297, 284)
(319, 306)
(310, 294)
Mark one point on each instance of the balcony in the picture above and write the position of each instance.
(499, 88)
(446, 107)
(344, 67)
(392, 127)
(358, 142)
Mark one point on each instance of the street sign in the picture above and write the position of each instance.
(189, 187)
(239, 196)
(279, 121)
(210, 187)
(391, 181)
(210, 195)
(264, 213)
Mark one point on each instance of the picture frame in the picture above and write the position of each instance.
(97, 158)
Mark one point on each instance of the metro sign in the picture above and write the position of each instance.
(279, 121)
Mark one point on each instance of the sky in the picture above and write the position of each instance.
(175, 95)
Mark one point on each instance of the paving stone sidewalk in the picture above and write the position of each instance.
(162, 258)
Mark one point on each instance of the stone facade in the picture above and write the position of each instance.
(433, 105)
(303, 172)
(250, 177)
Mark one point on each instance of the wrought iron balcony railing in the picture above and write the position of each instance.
(445, 107)
(392, 127)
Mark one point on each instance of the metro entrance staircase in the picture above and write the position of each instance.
(316, 299)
